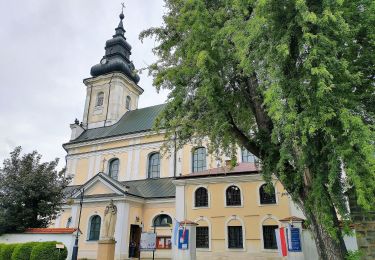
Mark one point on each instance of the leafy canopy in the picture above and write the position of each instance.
(292, 81)
(31, 192)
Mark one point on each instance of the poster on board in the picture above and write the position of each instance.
(148, 241)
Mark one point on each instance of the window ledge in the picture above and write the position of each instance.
(161, 227)
(264, 205)
(91, 241)
(201, 207)
(236, 249)
(203, 249)
(240, 206)
(270, 250)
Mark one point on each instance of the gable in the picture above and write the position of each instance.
(99, 188)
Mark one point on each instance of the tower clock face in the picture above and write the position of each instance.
(103, 61)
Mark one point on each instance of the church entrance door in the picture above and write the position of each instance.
(134, 241)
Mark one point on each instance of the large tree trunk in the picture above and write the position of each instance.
(328, 247)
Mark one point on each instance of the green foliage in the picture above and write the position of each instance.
(48, 251)
(31, 192)
(23, 251)
(1, 247)
(291, 81)
(354, 255)
(6, 251)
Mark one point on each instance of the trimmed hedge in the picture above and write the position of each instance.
(23, 251)
(6, 251)
(48, 251)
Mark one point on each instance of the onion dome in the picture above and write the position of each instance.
(117, 56)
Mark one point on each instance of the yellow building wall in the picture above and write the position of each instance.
(64, 215)
(80, 176)
(251, 213)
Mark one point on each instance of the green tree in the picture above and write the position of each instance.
(31, 191)
(292, 81)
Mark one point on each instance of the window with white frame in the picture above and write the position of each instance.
(94, 232)
(114, 168)
(99, 99)
(154, 165)
(202, 237)
(69, 222)
(233, 196)
(269, 236)
(267, 194)
(128, 102)
(162, 220)
(199, 159)
(247, 157)
(235, 237)
(201, 197)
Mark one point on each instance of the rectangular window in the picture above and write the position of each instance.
(163, 243)
(202, 237)
(269, 237)
(235, 239)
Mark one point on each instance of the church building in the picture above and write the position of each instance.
(114, 154)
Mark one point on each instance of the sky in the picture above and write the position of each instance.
(46, 49)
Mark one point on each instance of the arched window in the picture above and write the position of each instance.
(233, 196)
(113, 168)
(99, 99)
(128, 102)
(69, 222)
(199, 159)
(154, 165)
(267, 196)
(94, 232)
(201, 197)
(247, 157)
(162, 220)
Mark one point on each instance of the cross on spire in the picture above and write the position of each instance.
(122, 7)
(122, 12)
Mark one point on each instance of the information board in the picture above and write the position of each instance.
(148, 241)
(183, 239)
(294, 239)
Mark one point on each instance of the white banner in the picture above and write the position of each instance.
(148, 241)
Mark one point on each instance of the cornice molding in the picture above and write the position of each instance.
(219, 179)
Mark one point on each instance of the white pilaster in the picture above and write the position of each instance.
(171, 164)
(121, 233)
(180, 203)
(136, 164)
(75, 211)
(129, 165)
(91, 167)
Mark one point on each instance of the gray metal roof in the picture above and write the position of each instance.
(152, 188)
(134, 121)
(147, 188)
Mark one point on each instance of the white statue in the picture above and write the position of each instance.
(110, 217)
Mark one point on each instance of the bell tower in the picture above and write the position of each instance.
(113, 88)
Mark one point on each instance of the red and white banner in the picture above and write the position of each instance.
(281, 241)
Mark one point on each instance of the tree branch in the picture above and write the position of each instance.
(244, 140)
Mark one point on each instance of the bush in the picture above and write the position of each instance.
(6, 251)
(354, 255)
(1, 246)
(48, 251)
(23, 251)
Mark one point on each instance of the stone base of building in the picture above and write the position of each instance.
(106, 249)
